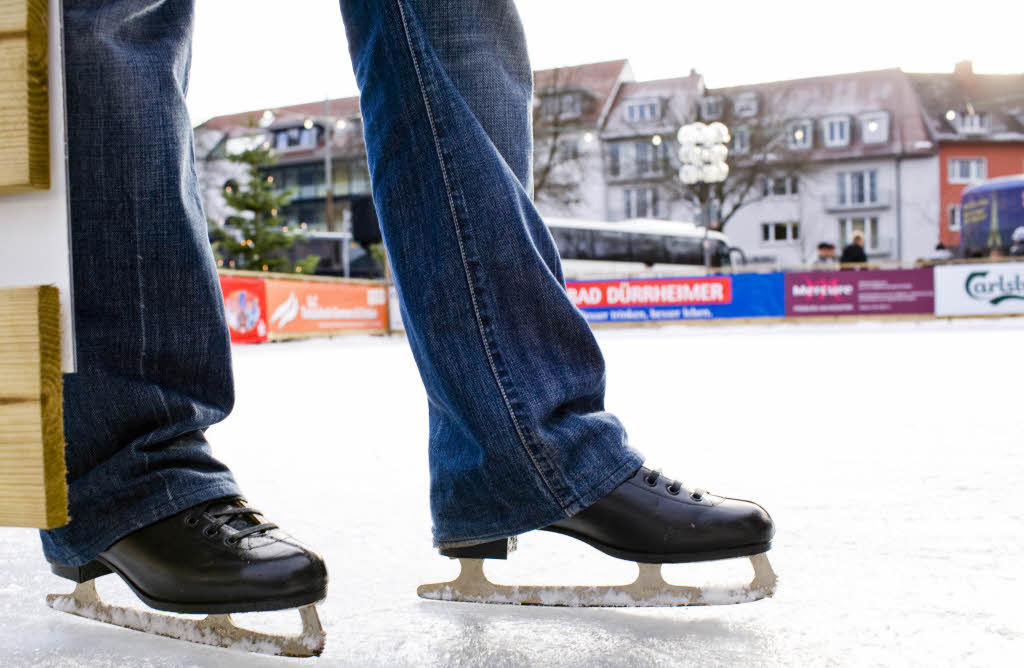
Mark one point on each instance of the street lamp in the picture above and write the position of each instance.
(702, 154)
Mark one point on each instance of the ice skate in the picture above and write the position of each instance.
(213, 559)
(648, 519)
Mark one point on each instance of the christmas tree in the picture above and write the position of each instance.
(262, 235)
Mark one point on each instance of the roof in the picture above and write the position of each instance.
(598, 81)
(342, 107)
(1012, 182)
(849, 94)
(678, 97)
(999, 96)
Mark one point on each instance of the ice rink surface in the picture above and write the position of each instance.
(889, 454)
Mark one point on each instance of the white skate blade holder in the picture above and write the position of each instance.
(648, 590)
(216, 630)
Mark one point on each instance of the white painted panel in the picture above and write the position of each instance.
(34, 241)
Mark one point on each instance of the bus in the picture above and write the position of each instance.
(989, 212)
(638, 248)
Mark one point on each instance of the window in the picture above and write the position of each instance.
(613, 160)
(836, 131)
(801, 135)
(967, 170)
(569, 149)
(745, 104)
(641, 202)
(874, 127)
(973, 123)
(954, 218)
(650, 159)
(295, 138)
(868, 227)
(781, 185)
(776, 233)
(857, 187)
(643, 111)
(741, 141)
(711, 108)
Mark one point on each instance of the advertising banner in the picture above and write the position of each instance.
(667, 299)
(979, 289)
(298, 307)
(871, 292)
(245, 303)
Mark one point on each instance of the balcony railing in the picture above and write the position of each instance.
(882, 200)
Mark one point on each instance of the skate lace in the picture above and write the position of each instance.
(222, 516)
(673, 486)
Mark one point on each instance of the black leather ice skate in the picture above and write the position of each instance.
(648, 519)
(214, 558)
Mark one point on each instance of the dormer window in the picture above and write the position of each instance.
(835, 131)
(801, 135)
(643, 111)
(874, 127)
(561, 106)
(745, 105)
(711, 107)
(972, 123)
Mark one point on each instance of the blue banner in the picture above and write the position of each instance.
(691, 298)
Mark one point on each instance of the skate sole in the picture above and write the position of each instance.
(670, 558)
(101, 567)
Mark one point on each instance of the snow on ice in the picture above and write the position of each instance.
(890, 455)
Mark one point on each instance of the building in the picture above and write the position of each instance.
(823, 158)
(882, 153)
(977, 121)
(570, 107)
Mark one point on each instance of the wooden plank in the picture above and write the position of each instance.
(33, 489)
(24, 96)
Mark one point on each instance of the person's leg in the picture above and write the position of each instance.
(152, 346)
(519, 437)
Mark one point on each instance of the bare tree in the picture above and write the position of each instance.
(558, 163)
(758, 155)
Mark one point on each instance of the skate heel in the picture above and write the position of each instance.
(496, 549)
(80, 574)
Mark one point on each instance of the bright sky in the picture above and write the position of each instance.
(249, 54)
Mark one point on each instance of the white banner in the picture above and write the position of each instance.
(979, 289)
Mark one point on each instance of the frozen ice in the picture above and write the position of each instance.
(890, 454)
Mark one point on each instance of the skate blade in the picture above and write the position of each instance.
(216, 630)
(648, 590)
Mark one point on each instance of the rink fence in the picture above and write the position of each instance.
(268, 307)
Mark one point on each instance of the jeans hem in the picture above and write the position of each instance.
(590, 496)
(77, 557)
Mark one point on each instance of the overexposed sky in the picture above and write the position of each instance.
(249, 54)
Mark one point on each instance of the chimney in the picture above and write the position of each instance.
(963, 72)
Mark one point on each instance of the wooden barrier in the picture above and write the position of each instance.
(33, 491)
(24, 106)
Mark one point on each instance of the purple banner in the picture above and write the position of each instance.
(870, 292)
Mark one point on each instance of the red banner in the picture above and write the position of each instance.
(651, 292)
(297, 307)
(245, 301)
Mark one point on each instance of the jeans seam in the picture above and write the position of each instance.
(462, 253)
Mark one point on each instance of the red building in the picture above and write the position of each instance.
(977, 122)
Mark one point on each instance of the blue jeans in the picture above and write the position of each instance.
(519, 437)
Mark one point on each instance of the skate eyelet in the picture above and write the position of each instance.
(696, 497)
(651, 482)
(231, 541)
(674, 491)
(190, 521)
(210, 531)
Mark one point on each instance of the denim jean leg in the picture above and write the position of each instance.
(519, 436)
(154, 366)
